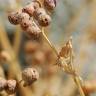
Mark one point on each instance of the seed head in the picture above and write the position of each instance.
(30, 8)
(38, 12)
(2, 84)
(25, 24)
(44, 20)
(13, 17)
(50, 4)
(33, 30)
(29, 75)
(23, 16)
(11, 86)
(65, 51)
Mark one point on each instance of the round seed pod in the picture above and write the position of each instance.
(25, 24)
(23, 16)
(50, 4)
(38, 12)
(29, 75)
(2, 84)
(13, 17)
(44, 20)
(33, 30)
(30, 8)
(11, 87)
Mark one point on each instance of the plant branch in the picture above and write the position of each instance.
(75, 77)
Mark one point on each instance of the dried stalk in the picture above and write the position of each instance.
(17, 37)
(2, 75)
(75, 77)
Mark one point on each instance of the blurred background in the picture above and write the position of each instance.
(76, 18)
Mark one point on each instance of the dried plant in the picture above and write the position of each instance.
(39, 51)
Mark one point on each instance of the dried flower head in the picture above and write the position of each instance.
(13, 17)
(38, 12)
(50, 4)
(30, 8)
(23, 16)
(25, 24)
(2, 84)
(65, 51)
(33, 31)
(11, 86)
(44, 20)
(29, 75)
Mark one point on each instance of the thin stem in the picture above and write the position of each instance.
(78, 83)
(47, 40)
(17, 41)
(76, 78)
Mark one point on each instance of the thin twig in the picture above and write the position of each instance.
(76, 78)
(17, 41)
(49, 43)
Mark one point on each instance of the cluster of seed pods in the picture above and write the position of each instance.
(29, 76)
(33, 16)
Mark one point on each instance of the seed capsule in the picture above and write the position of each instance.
(11, 86)
(50, 4)
(33, 30)
(44, 20)
(30, 8)
(13, 17)
(38, 12)
(23, 16)
(29, 75)
(25, 24)
(2, 84)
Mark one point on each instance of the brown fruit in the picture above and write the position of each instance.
(25, 24)
(44, 20)
(50, 4)
(13, 17)
(29, 75)
(11, 86)
(23, 16)
(33, 30)
(38, 12)
(30, 8)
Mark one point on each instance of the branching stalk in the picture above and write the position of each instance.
(75, 77)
